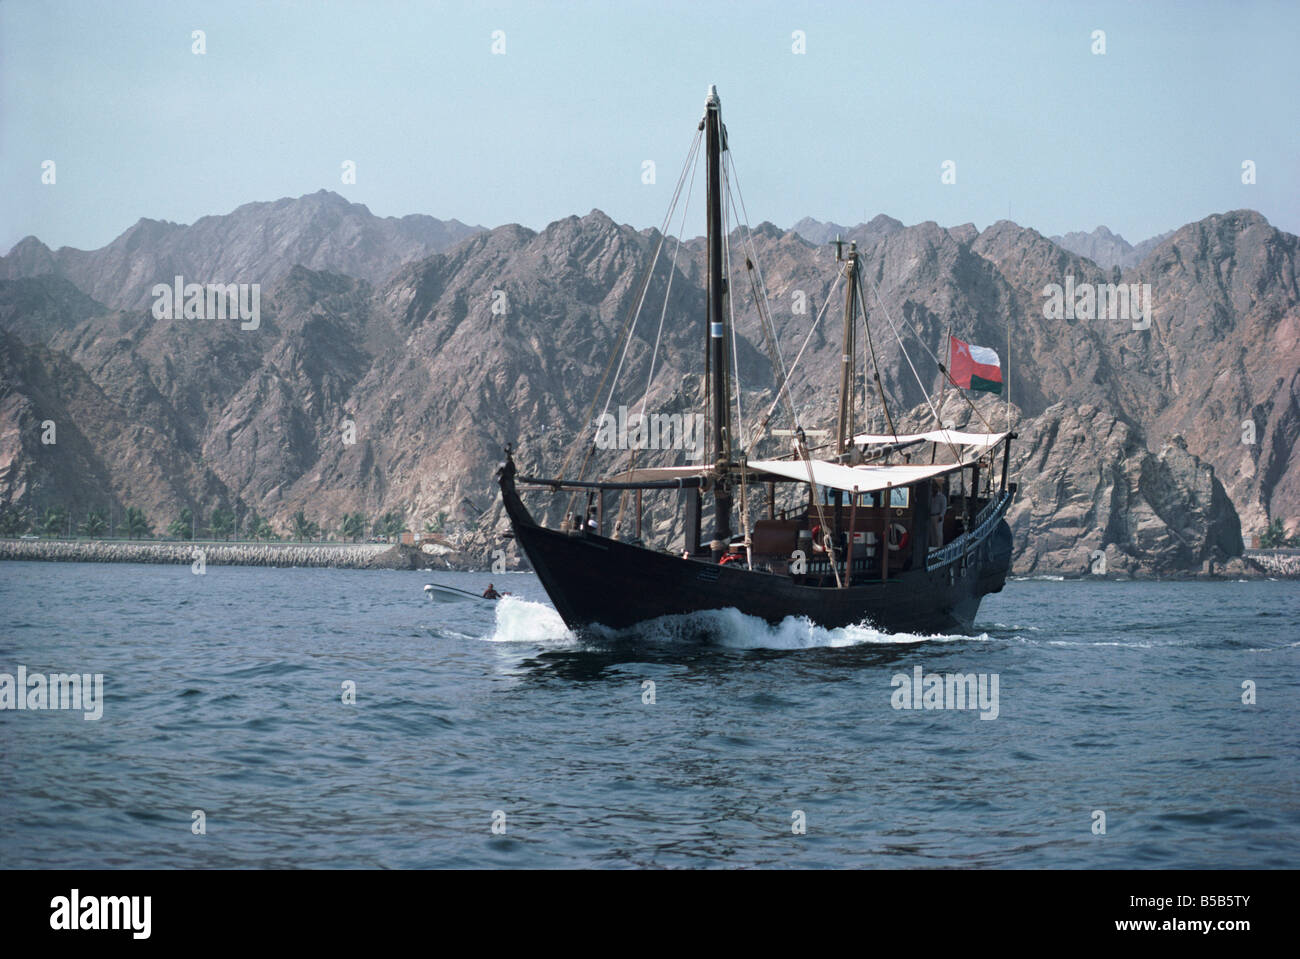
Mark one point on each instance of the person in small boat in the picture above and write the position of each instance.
(938, 507)
(491, 592)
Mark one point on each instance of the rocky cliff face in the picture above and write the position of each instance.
(368, 394)
(1094, 498)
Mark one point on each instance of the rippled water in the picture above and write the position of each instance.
(223, 693)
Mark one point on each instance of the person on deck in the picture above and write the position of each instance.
(491, 593)
(938, 507)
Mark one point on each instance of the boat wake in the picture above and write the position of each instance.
(521, 621)
(732, 629)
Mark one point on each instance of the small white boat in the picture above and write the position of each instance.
(450, 594)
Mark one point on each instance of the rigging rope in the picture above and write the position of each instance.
(629, 325)
(731, 309)
(801, 447)
(763, 306)
(795, 365)
(936, 359)
(924, 392)
(875, 365)
(727, 212)
(691, 161)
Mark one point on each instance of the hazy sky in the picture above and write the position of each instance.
(1144, 138)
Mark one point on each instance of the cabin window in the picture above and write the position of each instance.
(899, 498)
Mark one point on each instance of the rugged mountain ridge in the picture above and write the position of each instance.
(1108, 249)
(1131, 439)
(256, 243)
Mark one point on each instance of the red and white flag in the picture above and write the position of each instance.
(974, 367)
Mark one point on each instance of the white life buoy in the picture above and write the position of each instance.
(897, 537)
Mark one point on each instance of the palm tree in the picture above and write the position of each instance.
(1274, 536)
(260, 529)
(13, 522)
(182, 527)
(222, 523)
(390, 524)
(135, 523)
(54, 521)
(95, 524)
(353, 526)
(302, 528)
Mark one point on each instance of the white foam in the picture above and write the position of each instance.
(521, 621)
(733, 629)
(1119, 645)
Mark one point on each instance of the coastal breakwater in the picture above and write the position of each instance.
(1281, 563)
(1277, 562)
(332, 555)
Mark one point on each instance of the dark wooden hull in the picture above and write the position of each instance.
(595, 580)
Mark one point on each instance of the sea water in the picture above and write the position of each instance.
(330, 718)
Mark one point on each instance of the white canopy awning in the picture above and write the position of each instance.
(864, 479)
(982, 441)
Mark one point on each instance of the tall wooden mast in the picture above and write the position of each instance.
(848, 359)
(715, 136)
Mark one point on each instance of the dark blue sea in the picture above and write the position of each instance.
(762, 747)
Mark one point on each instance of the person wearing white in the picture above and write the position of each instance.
(938, 506)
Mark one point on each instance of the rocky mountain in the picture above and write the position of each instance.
(1095, 498)
(35, 308)
(818, 233)
(1108, 249)
(256, 243)
(398, 393)
(815, 231)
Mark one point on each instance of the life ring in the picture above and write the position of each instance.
(817, 544)
(898, 537)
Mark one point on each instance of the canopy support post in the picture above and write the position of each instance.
(884, 534)
(853, 524)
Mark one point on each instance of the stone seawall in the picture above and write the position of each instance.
(1277, 562)
(334, 555)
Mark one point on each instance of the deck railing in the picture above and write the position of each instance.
(981, 526)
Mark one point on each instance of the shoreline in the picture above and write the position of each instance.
(321, 555)
(398, 556)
